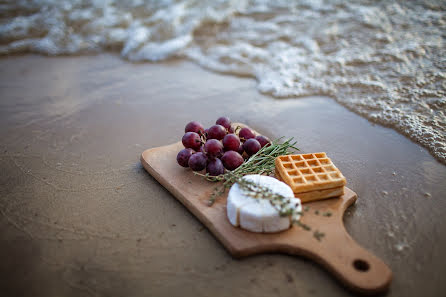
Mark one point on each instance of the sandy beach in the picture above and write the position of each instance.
(79, 216)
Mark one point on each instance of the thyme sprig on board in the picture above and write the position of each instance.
(282, 204)
(262, 162)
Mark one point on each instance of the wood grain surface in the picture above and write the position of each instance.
(355, 267)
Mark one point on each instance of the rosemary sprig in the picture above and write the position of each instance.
(260, 163)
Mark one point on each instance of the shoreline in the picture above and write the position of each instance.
(175, 60)
(404, 131)
(76, 196)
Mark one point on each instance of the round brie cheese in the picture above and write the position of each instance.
(258, 215)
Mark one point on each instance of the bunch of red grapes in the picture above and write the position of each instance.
(218, 147)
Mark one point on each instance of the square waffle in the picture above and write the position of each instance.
(310, 175)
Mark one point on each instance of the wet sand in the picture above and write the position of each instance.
(79, 215)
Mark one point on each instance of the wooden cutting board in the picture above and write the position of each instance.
(355, 267)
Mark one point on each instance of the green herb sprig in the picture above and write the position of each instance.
(262, 162)
(282, 204)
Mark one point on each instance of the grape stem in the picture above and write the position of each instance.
(203, 137)
(237, 129)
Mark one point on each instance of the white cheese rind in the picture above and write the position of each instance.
(258, 215)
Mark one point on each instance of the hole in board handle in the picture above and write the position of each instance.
(361, 265)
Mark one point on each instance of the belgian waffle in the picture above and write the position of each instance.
(311, 176)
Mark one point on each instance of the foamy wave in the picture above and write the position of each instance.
(384, 61)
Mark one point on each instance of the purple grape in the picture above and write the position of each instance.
(231, 142)
(213, 148)
(194, 127)
(224, 121)
(197, 162)
(184, 156)
(263, 140)
(215, 167)
(231, 130)
(251, 146)
(246, 133)
(240, 150)
(231, 160)
(191, 140)
(216, 132)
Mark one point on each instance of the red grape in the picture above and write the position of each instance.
(191, 140)
(215, 167)
(197, 162)
(263, 140)
(251, 146)
(184, 156)
(231, 160)
(213, 148)
(224, 121)
(216, 132)
(246, 133)
(231, 142)
(231, 130)
(194, 127)
(240, 150)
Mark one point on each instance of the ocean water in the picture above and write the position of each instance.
(385, 60)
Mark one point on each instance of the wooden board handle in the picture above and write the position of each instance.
(354, 266)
